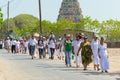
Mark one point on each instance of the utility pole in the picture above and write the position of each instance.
(8, 16)
(40, 16)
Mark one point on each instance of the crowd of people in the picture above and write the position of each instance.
(84, 52)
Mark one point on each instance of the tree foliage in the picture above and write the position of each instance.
(24, 20)
(20, 24)
(1, 17)
(24, 25)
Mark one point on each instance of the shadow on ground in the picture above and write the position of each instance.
(78, 70)
(117, 78)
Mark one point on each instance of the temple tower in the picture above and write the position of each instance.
(70, 10)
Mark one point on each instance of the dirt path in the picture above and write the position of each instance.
(21, 67)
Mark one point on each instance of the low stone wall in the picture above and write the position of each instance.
(113, 44)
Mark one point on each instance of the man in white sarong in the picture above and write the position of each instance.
(75, 47)
(94, 46)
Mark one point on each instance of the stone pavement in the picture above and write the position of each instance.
(21, 67)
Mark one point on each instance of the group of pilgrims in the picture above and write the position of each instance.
(67, 48)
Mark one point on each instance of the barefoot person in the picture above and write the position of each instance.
(86, 53)
(102, 51)
(75, 48)
(96, 59)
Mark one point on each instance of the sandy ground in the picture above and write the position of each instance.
(7, 70)
(114, 58)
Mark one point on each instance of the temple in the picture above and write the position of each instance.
(70, 10)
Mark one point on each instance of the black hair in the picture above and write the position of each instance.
(102, 38)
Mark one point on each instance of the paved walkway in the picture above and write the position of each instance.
(21, 67)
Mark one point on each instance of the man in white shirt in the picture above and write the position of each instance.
(51, 35)
(52, 43)
(40, 47)
(13, 47)
(75, 47)
(32, 44)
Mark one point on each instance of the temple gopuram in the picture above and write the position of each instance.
(70, 10)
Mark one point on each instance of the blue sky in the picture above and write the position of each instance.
(97, 9)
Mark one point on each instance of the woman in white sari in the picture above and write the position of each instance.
(102, 51)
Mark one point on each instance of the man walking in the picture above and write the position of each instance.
(13, 47)
(32, 44)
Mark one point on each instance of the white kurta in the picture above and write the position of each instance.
(94, 46)
(26, 46)
(52, 43)
(61, 53)
(17, 46)
(48, 48)
(104, 58)
(8, 44)
(76, 45)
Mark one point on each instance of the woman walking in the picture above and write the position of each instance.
(102, 51)
(86, 53)
(68, 50)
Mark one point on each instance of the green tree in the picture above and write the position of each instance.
(1, 17)
(20, 24)
(1, 22)
(24, 20)
(24, 25)
(62, 26)
(110, 29)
